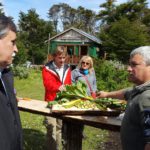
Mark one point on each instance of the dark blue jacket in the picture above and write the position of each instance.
(10, 126)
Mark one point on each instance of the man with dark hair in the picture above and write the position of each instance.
(56, 74)
(10, 126)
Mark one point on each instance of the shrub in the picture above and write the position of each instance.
(111, 75)
(20, 71)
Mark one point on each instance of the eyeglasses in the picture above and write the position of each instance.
(85, 63)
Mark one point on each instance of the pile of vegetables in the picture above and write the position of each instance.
(75, 95)
(111, 103)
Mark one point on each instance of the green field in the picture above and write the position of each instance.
(34, 131)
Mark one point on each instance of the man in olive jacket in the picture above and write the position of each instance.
(10, 126)
(135, 128)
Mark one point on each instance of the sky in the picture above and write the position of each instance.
(13, 7)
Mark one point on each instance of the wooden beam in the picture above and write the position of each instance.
(72, 134)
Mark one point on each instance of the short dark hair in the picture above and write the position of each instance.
(6, 24)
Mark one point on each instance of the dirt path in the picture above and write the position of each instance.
(113, 142)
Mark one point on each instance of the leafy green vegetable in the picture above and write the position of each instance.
(75, 91)
(76, 95)
(111, 103)
(71, 103)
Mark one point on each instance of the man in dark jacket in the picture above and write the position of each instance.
(10, 126)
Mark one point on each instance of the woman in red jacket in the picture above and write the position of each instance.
(56, 74)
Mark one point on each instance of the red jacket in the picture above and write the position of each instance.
(52, 81)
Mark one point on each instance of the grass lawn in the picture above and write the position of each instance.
(33, 129)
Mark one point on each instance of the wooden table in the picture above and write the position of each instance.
(72, 125)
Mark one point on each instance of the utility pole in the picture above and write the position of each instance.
(48, 47)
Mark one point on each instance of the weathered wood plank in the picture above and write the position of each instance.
(34, 106)
(102, 122)
(39, 107)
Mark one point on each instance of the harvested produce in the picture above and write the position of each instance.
(111, 103)
(72, 92)
(75, 96)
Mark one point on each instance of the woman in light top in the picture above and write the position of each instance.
(85, 72)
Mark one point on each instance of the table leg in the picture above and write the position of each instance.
(72, 135)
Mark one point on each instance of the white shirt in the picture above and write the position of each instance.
(59, 71)
(1, 72)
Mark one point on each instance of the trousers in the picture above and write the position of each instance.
(53, 140)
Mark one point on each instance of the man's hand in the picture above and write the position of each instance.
(62, 88)
(101, 94)
(114, 94)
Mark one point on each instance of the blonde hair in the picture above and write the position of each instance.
(60, 50)
(90, 60)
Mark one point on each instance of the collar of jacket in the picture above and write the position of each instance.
(52, 67)
(141, 88)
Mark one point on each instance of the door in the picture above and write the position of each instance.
(83, 50)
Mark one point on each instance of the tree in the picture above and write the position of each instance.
(68, 16)
(146, 19)
(124, 27)
(33, 32)
(86, 20)
(106, 15)
(81, 18)
(122, 37)
(1, 9)
(54, 15)
(132, 10)
(21, 56)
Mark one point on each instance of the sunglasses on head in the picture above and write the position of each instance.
(85, 63)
